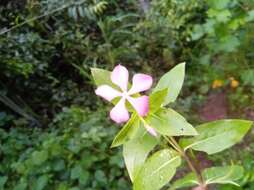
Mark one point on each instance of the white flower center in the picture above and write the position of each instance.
(125, 94)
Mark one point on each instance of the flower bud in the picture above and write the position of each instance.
(151, 130)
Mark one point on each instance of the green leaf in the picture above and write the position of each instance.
(156, 100)
(58, 165)
(41, 183)
(100, 177)
(198, 32)
(221, 4)
(223, 175)
(136, 151)
(228, 44)
(74, 188)
(218, 175)
(38, 157)
(3, 180)
(21, 185)
(187, 181)
(220, 15)
(217, 136)
(247, 77)
(169, 122)
(83, 178)
(250, 16)
(76, 172)
(173, 81)
(157, 170)
(127, 131)
(101, 77)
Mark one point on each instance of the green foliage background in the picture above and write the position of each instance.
(55, 133)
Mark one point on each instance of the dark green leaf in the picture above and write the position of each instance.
(76, 172)
(41, 183)
(38, 157)
(3, 180)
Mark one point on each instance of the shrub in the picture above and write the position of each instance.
(73, 155)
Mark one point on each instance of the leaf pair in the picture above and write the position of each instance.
(218, 175)
(217, 136)
(165, 121)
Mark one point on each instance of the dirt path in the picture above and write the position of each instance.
(215, 107)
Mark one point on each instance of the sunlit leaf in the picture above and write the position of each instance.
(136, 151)
(188, 180)
(101, 76)
(157, 171)
(221, 4)
(169, 122)
(156, 100)
(214, 175)
(173, 81)
(217, 136)
(127, 131)
(223, 175)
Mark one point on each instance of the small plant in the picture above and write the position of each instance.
(156, 138)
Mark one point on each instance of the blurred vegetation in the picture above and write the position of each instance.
(74, 154)
(54, 131)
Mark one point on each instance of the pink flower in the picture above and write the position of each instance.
(140, 83)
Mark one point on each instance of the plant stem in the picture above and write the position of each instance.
(38, 17)
(197, 172)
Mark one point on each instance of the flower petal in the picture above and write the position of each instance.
(119, 113)
(120, 76)
(141, 104)
(151, 130)
(107, 92)
(140, 83)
